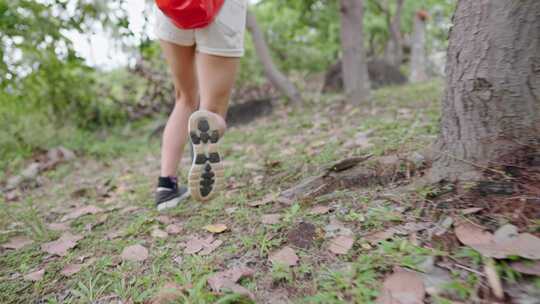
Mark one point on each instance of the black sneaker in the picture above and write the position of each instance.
(168, 194)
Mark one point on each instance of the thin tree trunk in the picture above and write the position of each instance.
(491, 107)
(418, 51)
(393, 52)
(277, 78)
(355, 74)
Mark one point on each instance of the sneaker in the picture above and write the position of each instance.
(206, 176)
(168, 194)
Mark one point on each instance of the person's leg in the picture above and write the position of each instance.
(216, 78)
(181, 61)
(218, 74)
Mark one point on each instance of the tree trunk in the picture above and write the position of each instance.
(491, 107)
(355, 74)
(393, 52)
(277, 78)
(418, 51)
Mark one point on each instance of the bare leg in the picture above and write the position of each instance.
(217, 75)
(181, 60)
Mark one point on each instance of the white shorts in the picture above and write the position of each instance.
(224, 37)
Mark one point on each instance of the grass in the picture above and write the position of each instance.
(270, 155)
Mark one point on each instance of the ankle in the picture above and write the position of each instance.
(170, 182)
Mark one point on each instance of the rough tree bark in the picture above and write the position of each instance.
(393, 52)
(277, 78)
(355, 74)
(418, 51)
(491, 107)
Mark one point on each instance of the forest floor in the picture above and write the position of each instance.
(87, 230)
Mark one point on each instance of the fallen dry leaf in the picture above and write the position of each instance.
(319, 209)
(135, 253)
(270, 219)
(216, 228)
(341, 244)
(471, 210)
(61, 246)
(158, 233)
(505, 244)
(81, 211)
(71, 269)
(164, 219)
(270, 198)
(286, 256)
(228, 280)
(193, 245)
(169, 293)
(207, 249)
(379, 236)
(35, 276)
(129, 209)
(17, 242)
(173, 229)
(402, 287)
(58, 226)
(527, 267)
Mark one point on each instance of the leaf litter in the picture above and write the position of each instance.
(61, 246)
(134, 253)
(202, 246)
(506, 241)
(402, 287)
(78, 212)
(341, 244)
(227, 280)
(17, 243)
(286, 256)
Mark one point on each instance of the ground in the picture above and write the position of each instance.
(263, 158)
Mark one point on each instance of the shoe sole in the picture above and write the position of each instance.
(172, 202)
(206, 176)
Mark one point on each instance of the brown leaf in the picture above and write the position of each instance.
(270, 198)
(164, 219)
(471, 210)
(129, 209)
(58, 226)
(61, 246)
(216, 228)
(341, 244)
(17, 242)
(194, 245)
(270, 219)
(173, 229)
(35, 276)
(207, 249)
(135, 253)
(319, 209)
(525, 244)
(71, 269)
(402, 287)
(286, 256)
(380, 236)
(225, 279)
(527, 267)
(158, 233)
(168, 294)
(81, 211)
